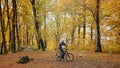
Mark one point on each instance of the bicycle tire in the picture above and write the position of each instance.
(69, 57)
(58, 58)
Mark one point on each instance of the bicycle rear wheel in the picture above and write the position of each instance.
(69, 57)
(58, 57)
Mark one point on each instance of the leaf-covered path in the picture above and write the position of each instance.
(47, 60)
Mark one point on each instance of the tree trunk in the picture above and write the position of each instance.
(17, 30)
(10, 36)
(42, 44)
(18, 39)
(13, 44)
(57, 34)
(78, 34)
(27, 34)
(45, 25)
(8, 16)
(84, 24)
(39, 39)
(73, 28)
(1, 51)
(98, 43)
(3, 32)
(84, 31)
(72, 35)
(91, 31)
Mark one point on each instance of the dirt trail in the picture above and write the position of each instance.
(47, 60)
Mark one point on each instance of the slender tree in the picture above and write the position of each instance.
(73, 28)
(57, 34)
(8, 21)
(98, 43)
(16, 29)
(3, 32)
(84, 24)
(79, 34)
(91, 29)
(44, 6)
(13, 44)
(27, 34)
(39, 38)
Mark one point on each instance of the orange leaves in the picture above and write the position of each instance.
(61, 5)
(65, 1)
(116, 22)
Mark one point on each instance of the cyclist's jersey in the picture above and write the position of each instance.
(61, 45)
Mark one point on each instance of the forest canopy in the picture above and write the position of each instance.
(92, 25)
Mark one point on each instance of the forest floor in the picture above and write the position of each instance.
(47, 60)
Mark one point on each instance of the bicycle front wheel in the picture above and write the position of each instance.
(69, 57)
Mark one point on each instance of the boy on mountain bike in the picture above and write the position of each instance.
(62, 46)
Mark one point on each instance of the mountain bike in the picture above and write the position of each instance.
(69, 57)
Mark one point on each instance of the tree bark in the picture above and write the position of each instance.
(73, 28)
(3, 32)
(18, 39)
(45, 45)
(8, 16)
(17, 30)
(39, 39)
(91, 31)
(57, 34)
(84, 30)
(1, 51)
(98, 37)
(79, 34)
(72, 35)
(84, 24)
(27, 35)
(13, 44)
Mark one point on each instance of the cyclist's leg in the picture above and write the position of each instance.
(62, 54)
